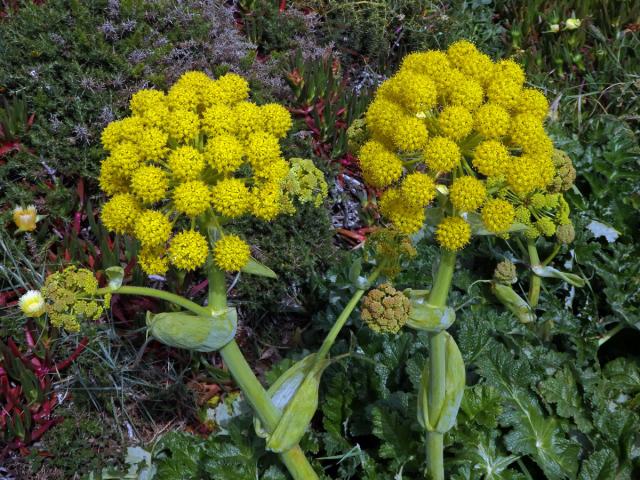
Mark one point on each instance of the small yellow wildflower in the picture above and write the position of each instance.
(453, 233)
(188, 250)
(498, 215)
(152, 228)
(492, 121)
(490, 158)
(120, 213)
(467, 194)
(185, 163)
(224, 153)
(192, 198)
(153, 261)
(149, 183)
(276, 119)
(455, 122)
(380, 167)
(442, 154)
(25, 218)
(418, 189)
(231, 253)
(230, 197)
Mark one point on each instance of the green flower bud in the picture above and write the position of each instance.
(295, 393)
(71, 298)
(566, 233)
(385, 309)
(514, 302)
(505, 272)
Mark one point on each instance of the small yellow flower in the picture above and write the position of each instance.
(406, 219)
(192, 198)
(455, 122)
(230, 197)
(492, 121)
(188, 250)
(185, 163)
(183, 125)
(32, 304)
(266, 200)
(25, 218)
(262, 149)
(219, 120)
(498, 215)
(149, 184)
(533, 102)
(467, 93)
(120, 213)
(224, 153)
(467, 194)
(276, 119)
(231, 253)
(490, 158)
(410, 134)
(442, 154)
(453, 233)
(152, 228)
(248, 118)
(380, 167)
(418, 189)
(153, 261)
(233, 88)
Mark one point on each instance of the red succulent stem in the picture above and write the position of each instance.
(76, 353)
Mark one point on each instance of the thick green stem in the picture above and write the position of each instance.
(256, 395)
(294, 459)
(536, 281)
(435, 458)
(437, 365)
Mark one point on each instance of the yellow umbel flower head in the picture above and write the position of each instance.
(120, 213)
(442, 154)
(231, 253)
(453, 233)
(188, 250)
(458, 126)
(201, 154)
(498, 215)
(467, 194)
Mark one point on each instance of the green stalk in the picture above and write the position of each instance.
(161, 294)
(437, 366)
(256, 395)
(536, 281)
(344, 316)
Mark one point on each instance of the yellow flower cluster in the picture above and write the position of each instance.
(69, 297)
(459, 123)
(199, 152)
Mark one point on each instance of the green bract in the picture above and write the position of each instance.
(193, 332)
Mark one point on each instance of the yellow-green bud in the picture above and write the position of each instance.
(546, 226)
(565, 172)
(566, 233)
(505, 272)
(385, 309)
(356, 135)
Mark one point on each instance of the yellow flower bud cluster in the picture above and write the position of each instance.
(200, 151)
(69, 297)
(457, 118)
(385, 309)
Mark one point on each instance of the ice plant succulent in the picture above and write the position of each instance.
(459, 133)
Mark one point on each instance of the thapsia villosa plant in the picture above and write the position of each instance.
(450, 128)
